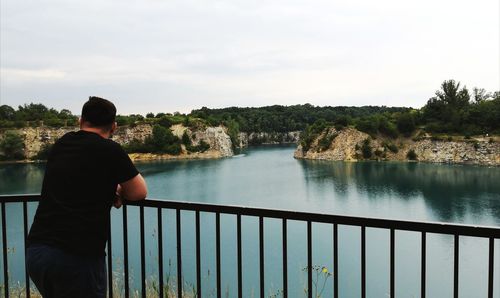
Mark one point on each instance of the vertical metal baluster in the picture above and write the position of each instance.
(261, 250)
(160, 251)
(217, 249)
(285, 259)
(110, 261)
(5, 263)
(490, 266)
(335, 261)
(179, 254)
(143, 252)
(455, 265)
(198, 256)
(125, 251)
(423, 265)
(25, 223)
(392, 283)
(309, 259)
(238, 237)
(363, 262)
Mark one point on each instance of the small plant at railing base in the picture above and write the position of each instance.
(279, 293)
(321, 274)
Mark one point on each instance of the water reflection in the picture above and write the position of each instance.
(21, 178)
(451, 191)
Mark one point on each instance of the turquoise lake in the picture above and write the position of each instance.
(269, 176)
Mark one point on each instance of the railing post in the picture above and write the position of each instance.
(143, 252)
(198, 256)
(491, 263)
(110, 261)
(363, 262)
(25, 228)
(261, 253)
(392, 265)
(335, 261)
(217, 249)
(456, 258)
(423, 266)
(160, 251)
(179, 254)
(5, 248)
(125, 252)
(285, 259)
(238, 244)
(309, 259)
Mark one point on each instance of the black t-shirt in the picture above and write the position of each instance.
(82, 173)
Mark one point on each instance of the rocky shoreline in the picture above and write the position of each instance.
(216, 137)
(346, 145)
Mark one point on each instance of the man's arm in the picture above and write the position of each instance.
(134, 189)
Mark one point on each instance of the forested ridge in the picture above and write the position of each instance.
(453, 110)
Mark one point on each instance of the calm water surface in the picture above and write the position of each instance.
(270, 177)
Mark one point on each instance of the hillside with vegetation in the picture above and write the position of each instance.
(453, 111)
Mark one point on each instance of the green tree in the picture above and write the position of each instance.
(186, 140)
(406, 123)
(7, 112)
(162, 140)
(366, 148)
(165, 121)
(411, 155)
(233, 130)
(12, 146)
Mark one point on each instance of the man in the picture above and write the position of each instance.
(86, 173)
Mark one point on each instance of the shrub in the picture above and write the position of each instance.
(406, 124)
(135, 146)
(186, 140)
(367, 125)
(388, 128)
(325, 142)
(392, 147)
(44, 152)
(54, 122)
(379, 153)
(202, 147)
(165, 122)
(173, 149)
(161, 141)
(411, 155)
(12, 146)
(366, 149)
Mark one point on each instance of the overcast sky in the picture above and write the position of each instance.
(176, 55)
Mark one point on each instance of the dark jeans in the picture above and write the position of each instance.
(57, 273)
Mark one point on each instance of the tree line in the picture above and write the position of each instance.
(453, 109)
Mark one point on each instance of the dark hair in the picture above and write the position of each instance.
(99, 112)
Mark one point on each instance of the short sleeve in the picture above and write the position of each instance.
(123, 168)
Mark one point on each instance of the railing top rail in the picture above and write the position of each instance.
(417, 226)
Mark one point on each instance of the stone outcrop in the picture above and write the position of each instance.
(266, 138)
(347, 143)
(216, 137)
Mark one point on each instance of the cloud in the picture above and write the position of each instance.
(178, 55)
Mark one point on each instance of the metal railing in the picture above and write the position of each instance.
(457, 230)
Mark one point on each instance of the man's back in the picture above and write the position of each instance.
(82, 173)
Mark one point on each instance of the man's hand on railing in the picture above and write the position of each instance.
(118, 197)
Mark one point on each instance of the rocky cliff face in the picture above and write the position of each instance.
(216, 137)
(347, 143)
(257, 138)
